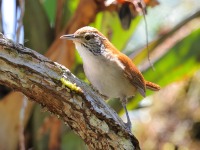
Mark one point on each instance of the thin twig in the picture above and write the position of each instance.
(146, 32)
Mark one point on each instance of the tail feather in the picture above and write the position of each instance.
(152, 86)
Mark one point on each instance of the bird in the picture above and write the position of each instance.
(110, 72)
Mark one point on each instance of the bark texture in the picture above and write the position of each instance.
(59, 91)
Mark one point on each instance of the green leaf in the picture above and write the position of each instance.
(50, 8)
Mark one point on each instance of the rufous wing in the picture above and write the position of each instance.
(133, 74)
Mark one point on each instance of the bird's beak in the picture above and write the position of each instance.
(68, 37)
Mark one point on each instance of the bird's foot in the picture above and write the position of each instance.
(128, 125)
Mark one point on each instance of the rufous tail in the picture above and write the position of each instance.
(152, 86)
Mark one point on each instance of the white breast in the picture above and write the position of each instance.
(105, 72)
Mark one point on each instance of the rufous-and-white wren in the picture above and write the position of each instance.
(111, 72)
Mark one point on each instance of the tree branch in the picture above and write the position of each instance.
(57, 89)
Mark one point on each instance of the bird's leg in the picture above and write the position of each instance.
(128, 124)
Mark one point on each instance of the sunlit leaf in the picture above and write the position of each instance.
(180, 31)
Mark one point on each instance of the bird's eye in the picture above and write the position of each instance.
(88, 37)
